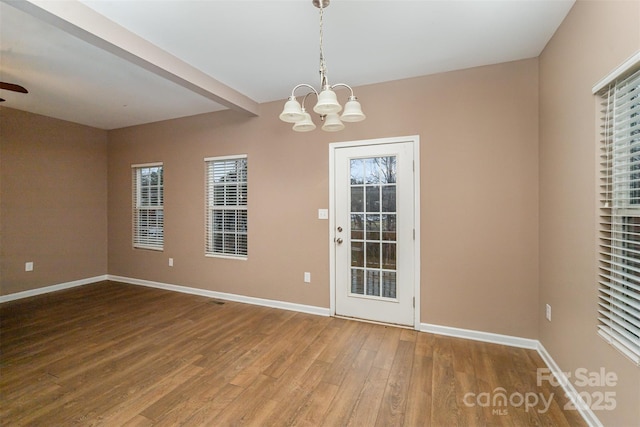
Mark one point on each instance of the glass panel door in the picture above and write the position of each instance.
(373, 245)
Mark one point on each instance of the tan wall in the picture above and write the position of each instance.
(53, 201)
(594, 39)
(478, 131)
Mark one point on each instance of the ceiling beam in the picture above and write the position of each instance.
(85, 23)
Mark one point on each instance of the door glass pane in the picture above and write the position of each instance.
(357, 171)
(357, 199)
(389, 256)
(372, 171)
(357, 254)
(373, 227)
(357, 281)
(357, 226)
(387, 170)
(388, 227)
(373, 198)
(373, 283)
(389, 198)
(373, 254)
(388, 284)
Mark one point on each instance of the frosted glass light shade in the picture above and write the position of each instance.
(304, 125)
(352, 111)
(332, 123)
(292, 111)
(327, 103)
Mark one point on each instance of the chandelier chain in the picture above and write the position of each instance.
(323, 66)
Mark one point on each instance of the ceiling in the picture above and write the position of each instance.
(113, 63)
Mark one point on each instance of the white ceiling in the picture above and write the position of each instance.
(202, 56)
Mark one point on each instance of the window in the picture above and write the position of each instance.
(148, 202)
(226, 206)
(619, 284)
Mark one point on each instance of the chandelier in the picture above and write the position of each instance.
(327, 105)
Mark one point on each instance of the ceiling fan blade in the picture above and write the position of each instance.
(13, 87)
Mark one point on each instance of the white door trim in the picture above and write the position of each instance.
(415, 142)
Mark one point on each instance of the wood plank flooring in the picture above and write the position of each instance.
(111, 354)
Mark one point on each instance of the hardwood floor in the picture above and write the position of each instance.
(121, 355)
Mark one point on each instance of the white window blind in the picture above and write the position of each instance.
(148, 206)
(619, 284)
(226, 206)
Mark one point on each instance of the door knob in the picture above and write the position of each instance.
(339, 229)
(339, 240)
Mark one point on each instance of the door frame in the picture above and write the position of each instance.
(415, 142)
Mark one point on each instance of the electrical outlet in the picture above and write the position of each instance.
(170, 262)
(307, 277)
(548, 312)
(28, 266)
(323, 213)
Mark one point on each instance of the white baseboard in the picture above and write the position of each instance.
(52, 288)
(587, 414)
(309, 309)
(480, 336)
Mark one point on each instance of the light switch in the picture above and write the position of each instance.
(323, 213)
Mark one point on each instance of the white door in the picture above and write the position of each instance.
(374, 232)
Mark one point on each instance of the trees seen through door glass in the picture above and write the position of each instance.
(373, 226)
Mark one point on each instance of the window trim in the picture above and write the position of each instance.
(135, 186)
(622, 69)
(619, 255)
(208, 208)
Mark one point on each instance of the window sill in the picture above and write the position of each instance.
(235, 257)
(149, 248)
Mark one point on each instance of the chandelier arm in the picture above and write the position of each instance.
(303, 85)
(305, 97)
(342, 85)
